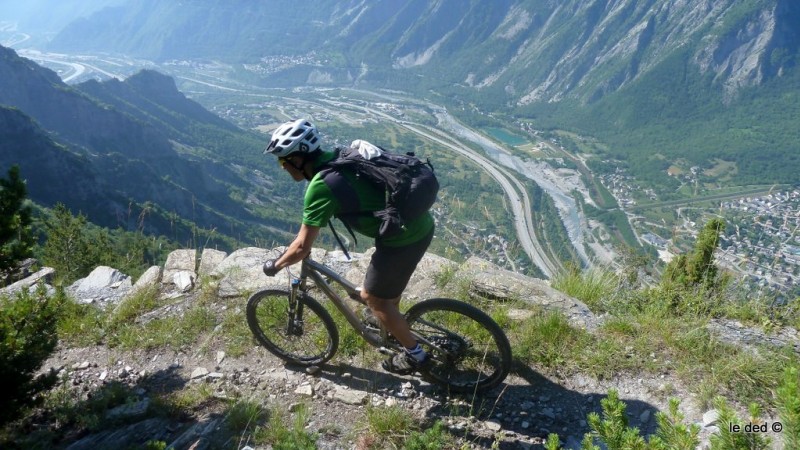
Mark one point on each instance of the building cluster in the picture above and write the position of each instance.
(762, 238)
(276, 63)
(623, 187)
(761, 243)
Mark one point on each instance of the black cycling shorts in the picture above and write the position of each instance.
(391, 268)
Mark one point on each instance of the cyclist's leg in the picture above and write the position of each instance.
(388, 312)
(387, 276)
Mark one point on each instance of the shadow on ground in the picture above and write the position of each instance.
(518, 414)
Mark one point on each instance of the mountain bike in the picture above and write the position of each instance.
(469, 351)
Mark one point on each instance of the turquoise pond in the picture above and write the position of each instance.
(506, 137)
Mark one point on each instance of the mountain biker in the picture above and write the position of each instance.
(297, 145)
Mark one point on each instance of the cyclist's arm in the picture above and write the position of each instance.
(300, 247)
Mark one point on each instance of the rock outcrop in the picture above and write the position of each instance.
(240, 274)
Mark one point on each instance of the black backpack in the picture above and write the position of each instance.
(409, 183)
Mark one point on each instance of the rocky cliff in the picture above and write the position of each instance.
(524, 50)
(124, 394)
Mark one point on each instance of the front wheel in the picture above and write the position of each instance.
(470, 352)
(305, 334)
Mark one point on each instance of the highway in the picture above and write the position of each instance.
(519, 200)
(75, 70)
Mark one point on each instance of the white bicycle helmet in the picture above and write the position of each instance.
(298, 136)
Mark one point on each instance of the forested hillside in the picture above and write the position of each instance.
(135, 154)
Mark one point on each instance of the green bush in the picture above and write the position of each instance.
(71, 249)
(697, 268)
(612, 430)
(27, 338)
(731, 434)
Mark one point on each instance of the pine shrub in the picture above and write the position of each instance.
(27, 338)
(788, 396)
(16, 239)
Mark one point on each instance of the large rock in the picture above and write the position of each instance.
(45, 276)
(153, 429)
(487, 280)
(209, 260)
(183, 281)
(151, 277)
(104, 284)
(241, 272)
(184, 260)
(425, 281)
(353, 269)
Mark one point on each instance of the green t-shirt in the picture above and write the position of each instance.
(320, 204)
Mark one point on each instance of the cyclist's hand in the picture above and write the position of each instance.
(269, 268)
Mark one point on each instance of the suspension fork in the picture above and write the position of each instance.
(294, 326)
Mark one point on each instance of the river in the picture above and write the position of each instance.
(539, 172)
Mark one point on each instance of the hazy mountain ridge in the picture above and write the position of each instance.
(105, 148)
(528, 50)
(152, 94)
(46, 16)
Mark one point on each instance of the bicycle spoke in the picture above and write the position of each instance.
(307, 339)
(469, 350)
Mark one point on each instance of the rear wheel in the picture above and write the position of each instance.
(470, 352)
(307, 336)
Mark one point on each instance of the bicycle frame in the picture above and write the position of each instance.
(317, 271)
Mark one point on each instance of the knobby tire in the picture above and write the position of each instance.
(478, 356)
(313, 343)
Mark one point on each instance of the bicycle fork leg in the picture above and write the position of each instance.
(294, 325)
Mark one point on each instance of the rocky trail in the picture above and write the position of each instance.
(519, 414)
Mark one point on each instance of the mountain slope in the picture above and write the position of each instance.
(532, 50)
(49, 168)
(646, 77)
(131, 146)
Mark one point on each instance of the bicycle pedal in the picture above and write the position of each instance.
(372, 330)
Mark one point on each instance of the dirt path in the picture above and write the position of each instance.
(518, 415)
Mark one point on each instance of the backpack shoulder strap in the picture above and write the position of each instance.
(345, 194)
(339, 240)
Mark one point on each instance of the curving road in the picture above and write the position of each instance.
(517, 194)
(513, 188)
